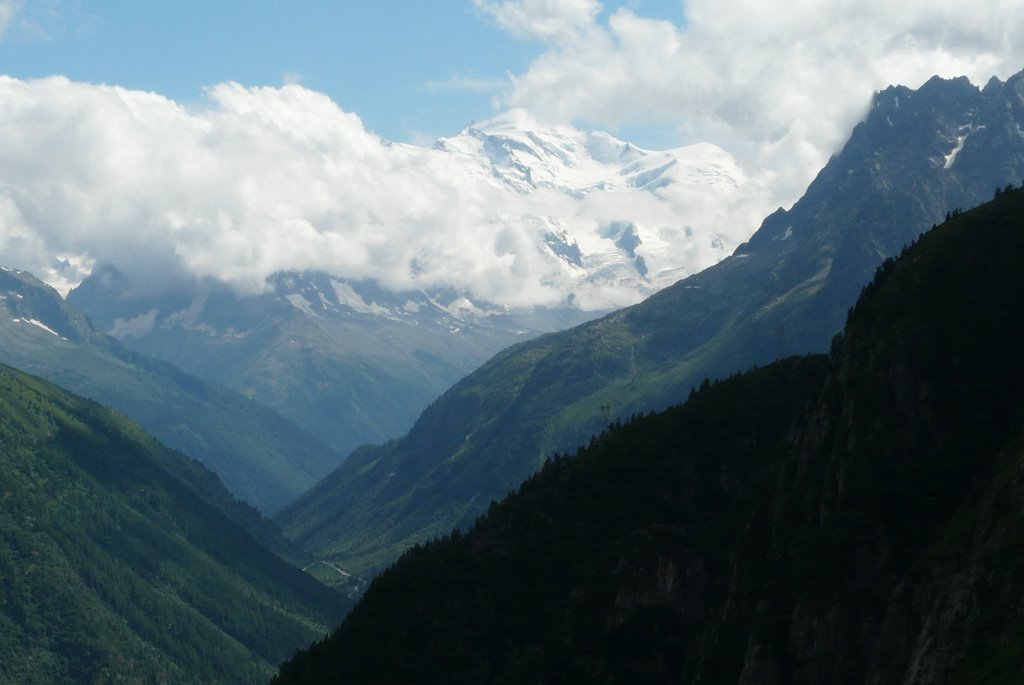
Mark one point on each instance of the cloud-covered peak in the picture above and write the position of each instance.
(518, 119)
(264, 180)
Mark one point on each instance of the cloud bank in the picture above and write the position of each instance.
(263, 179)
(259, 180)
(270, 179)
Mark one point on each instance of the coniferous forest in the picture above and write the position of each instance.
(118, 562)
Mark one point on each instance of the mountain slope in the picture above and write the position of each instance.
(785, 291)
(849, 520)
(350, 363)
(356, 360)
(116, 568)
(260, 456)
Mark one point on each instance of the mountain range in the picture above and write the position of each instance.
(918, 155)
(850, 516)
(850, 519)
(263, 459)
(349, 363)
(353, 362)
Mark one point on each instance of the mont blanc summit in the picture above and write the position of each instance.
(622, 221)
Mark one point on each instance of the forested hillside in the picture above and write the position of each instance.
(850, 519)
(115, 566)
(260, 456)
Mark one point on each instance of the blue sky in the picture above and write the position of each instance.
(411, 69)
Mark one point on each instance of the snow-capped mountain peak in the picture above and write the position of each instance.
(672, 201)
(526, 155)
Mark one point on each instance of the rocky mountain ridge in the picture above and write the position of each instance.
(349, 362)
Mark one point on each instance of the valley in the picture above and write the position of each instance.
(511, 341)
(120, 561)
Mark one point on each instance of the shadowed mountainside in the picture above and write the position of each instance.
(850, 519)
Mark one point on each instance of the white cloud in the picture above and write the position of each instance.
(779, 82)
(466, 83)
(7, 8)
(544, 20)
(268, 179)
